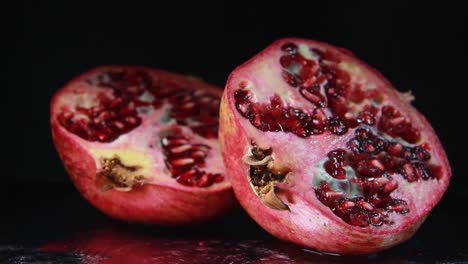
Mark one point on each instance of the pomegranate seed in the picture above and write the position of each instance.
(390, 186)
(376, 220)
(359, 219)
(408, 172)
(363, 132)
(421, 171)
(198, 154)
(182, 162)
(421, 154)
(180, 148)
(101, 117)
(187, 174)
(345, 205)
(218, 177)
(116, 102)
(102, 137)
(333, 195)
(395, 149)
(335, 170)
(167, 141)
(377, 183)
(205, 180)
(66, 115)
(370, 167)
(337, 127)
(315, 99)
(398, 206)
(365, 205)
(367, 117)
(131, 120)
(117, 124)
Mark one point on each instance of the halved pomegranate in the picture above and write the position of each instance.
(141, 144)
(322, 151)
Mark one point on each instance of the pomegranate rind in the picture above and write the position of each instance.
(163, 201)
(308, 222)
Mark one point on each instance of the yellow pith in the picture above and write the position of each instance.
(128, 157)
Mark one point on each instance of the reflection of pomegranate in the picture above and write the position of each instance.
(323, 151)
(112, 246)
(141, 144)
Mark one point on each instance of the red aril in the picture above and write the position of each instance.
(322, 151)
(141, 144)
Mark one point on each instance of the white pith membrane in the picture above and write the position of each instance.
(263, 80)
(138, 153)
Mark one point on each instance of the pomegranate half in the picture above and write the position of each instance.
(141, 144)
(324, 152)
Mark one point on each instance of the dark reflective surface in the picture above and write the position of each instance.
(68, 230)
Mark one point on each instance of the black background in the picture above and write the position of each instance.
(419, 46)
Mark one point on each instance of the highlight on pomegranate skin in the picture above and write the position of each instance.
(324, 152)
(141, 144)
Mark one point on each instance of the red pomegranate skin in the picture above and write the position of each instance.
(161, 200)
(305, 220)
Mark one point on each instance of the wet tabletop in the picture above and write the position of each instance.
(67, 229)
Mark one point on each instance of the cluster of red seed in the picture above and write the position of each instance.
(197, 110)
(105, 122)
(186, 160)
(360, 211)
(395, 124)
(321, 83)
(275, 117)
(117, 114)
(373, 159)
